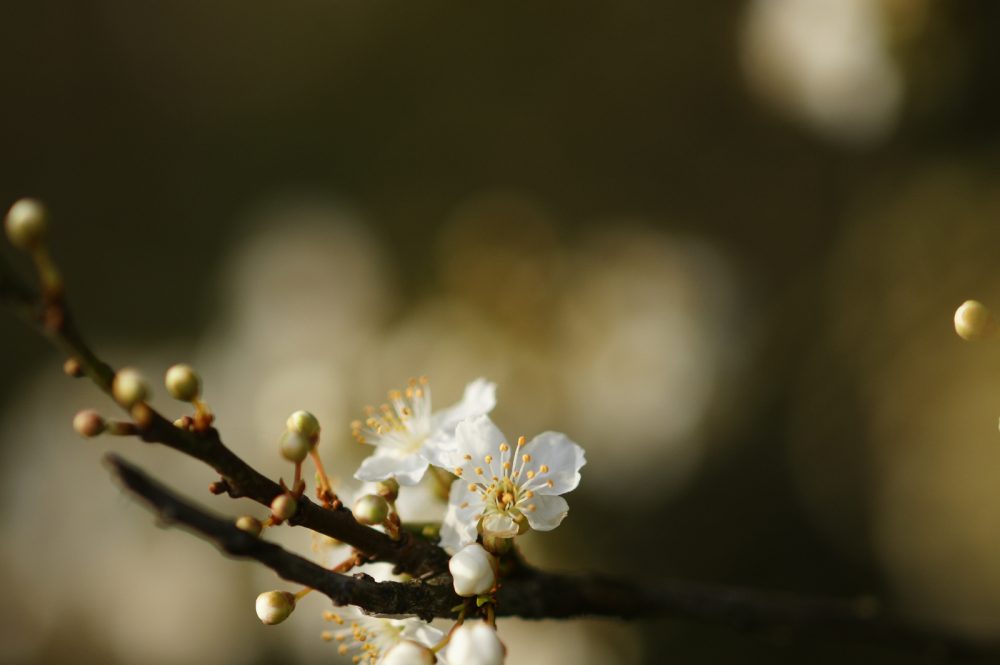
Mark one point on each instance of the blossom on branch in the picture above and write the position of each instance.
(368, 638)
(407, 435)
(503, 490)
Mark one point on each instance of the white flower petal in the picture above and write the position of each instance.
(479, 398)
(459, 527)
(408, 470)
(500, 525)
(478, 437)
(549, 512)
(563, 457)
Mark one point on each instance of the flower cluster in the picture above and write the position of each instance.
(496, 489)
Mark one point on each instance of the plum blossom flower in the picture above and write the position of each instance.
(369, 638)
(407, 435)
(503, 490)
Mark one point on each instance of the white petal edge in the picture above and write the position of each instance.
(563, 457)
(407, 470)
(549, 512)
(479, 398)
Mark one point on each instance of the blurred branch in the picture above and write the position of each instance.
(534, 594)
(53, 320)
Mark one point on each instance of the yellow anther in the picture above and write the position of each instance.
(525, 458)
(326, 636)
(520, 441)
(530, 474)
(550, 483)
(504, 447)
(458, 471)
(506, 465)
(479, 470)
(395, 395)
(342, 649)
(467, 458)
(488, 459)
(472, 487)
(528, 494)
(543, 468)
(530, 507)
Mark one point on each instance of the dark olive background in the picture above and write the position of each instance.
(150, 128)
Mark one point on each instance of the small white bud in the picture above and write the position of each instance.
(371, 509)
(284, 506)
(973, 321)
(183, 383)
(274, 606)
(249, 524)
(473, 570)
(26, 223)
(89, 423)
(475, 644)
(294, 447)
(408, 652)
(128, 387)
(304, 423)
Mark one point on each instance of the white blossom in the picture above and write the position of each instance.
(475, 643)
(409, 652)
(407, 434)
(503, 490)
(370, 639)
(473, 570)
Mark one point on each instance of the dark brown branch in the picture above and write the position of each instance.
(241, 480)
(533, 594)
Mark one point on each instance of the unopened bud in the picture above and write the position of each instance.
(371, 509)
(128, 387)
(973, 321)
(304, 423)
(473, 570)
(249, 524)
(294, 446)
(26, 223)
(283, 506)
(475, 643)
(89, 423)
(388, 489)
(408, 652)
(274, 606)
(73, 368)
(183, 383)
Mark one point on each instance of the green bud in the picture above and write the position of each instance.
(294, 446)
(304, 423)
(26, 223)
(284, 506)
(183, 383)
(249, 524)
(129, 387)
(371, 509)
(89, 423)
(274, 606)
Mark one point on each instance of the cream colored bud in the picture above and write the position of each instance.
(304, 423)
(249, 524)
(183, 383)
(388, 488)
(129, 388)
(284, 506)
(294, 446)
(973, 321)
(274, 606)
(371, 509)
(408, 652)
(26, 223)
(89, 423)
(473, 570)
(475, 643)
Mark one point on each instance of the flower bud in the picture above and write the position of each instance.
(388, 489)
(73, 368)
(408, 652)
(249, 524)
(973, 321)
(274, 606)
(89, 423)
(304, 423)
(128, 387)
(183, 383)
(473, 570)
(475, 644)
(283, 506)
(26, 223)
(294, 447)
(371, 509)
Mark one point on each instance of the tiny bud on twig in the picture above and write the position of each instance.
(274, 606)
(183, 383)
(89, 423)
(283, 507)
(388, 489)
(26, 223)
(371, 509)
(73, 368)
(294, 447)
(129, 387)
(304, 423)
(251, 525)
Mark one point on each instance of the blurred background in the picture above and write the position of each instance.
(718, 244)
